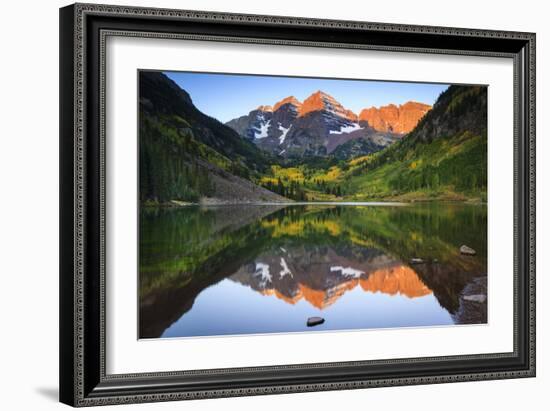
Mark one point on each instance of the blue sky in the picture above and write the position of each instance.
(227, 96)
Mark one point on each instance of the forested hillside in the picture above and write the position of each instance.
(445, 156)
(186, 155)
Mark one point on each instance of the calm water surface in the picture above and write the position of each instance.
(263, 269)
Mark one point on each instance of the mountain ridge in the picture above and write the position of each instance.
(318, 125)
(399, 119)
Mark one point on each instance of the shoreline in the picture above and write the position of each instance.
(217, 203)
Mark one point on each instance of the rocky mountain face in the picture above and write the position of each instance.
(320, 124)
(396, 119)
(353, 148)
(266, 125)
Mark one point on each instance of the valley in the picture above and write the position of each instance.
(315, 150)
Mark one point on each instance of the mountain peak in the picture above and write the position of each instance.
(287, 100)
(265, 108)
(322, 101)
(415, 105)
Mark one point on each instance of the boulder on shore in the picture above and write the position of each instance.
(467, 250)
(417, 261)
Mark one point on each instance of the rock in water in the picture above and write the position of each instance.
(467, 250)
(417, 261)
(313, 321)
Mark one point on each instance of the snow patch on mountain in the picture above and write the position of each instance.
(264, 127)
(347, 271)
(346, 129)
(284, 133)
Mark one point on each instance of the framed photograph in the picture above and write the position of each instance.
(261, 204)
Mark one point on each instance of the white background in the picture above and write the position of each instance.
(125, 354)
(29, 205)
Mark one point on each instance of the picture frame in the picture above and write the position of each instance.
(84, 82)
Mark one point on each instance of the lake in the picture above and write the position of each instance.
(249, 269)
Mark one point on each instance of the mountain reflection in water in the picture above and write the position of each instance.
(260, 269)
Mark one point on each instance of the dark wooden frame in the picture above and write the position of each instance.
(83, 30)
